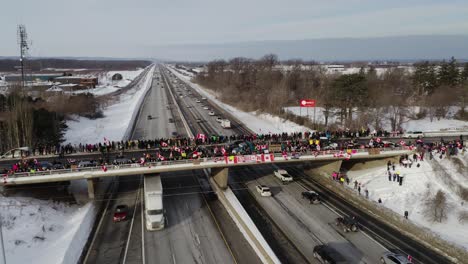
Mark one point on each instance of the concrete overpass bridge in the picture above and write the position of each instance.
(324, 163)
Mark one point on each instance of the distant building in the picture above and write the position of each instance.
(117, 77)
(31, 77)
(87, 82)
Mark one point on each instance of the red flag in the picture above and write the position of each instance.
(104, 168)
(223, 150)
(164, 144)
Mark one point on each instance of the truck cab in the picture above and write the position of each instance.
(154, 211)
(283, 176)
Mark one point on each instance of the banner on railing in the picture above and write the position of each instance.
(259, 158)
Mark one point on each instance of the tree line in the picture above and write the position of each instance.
(40, 64)
(356, 99)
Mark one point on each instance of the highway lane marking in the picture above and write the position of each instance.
(131, 223)
(143, 257)
(216, 222)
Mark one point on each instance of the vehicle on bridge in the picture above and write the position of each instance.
(347, 223)
(154, 211)
(413, 134)
(16, 153)
(327, 254)
(283, 176)
(312, 196)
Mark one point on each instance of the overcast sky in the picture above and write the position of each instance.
(128, 28)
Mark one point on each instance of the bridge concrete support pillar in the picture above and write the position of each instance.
(370, 163)
(220, 176)
(325, 168)
(90, 188)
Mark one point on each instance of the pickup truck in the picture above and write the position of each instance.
(283, 176)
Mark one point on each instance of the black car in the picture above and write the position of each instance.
(347, 223)
(312, 196)
(149, 117)
(327, 254)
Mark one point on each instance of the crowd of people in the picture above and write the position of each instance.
(107, 145)
(217, 146)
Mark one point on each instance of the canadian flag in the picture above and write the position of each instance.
(223, 151)
(402, 142)
(347, 156)
(161, 157)
(104, 168)
(177, 149)
(285, 155)
(164, 144)
(318, 147)
(5, 178)
(268, 157)
(230, 159)
(106, 141)
(201, 136)
(443, 148)
(142, 161)
(378, 140)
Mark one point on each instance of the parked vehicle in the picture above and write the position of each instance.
(198, 120)
(263, 190)
(154, 211)
(120, 213)
(283, 176)
(312, 196)
(203, 98)
(219, 119)
(347, 223)
(413, 134)
(394, 258)
(149, 117)
(206, 107)
(327, 254)
(211, 113)
(16, 153)
(225, 123)
(198, 101)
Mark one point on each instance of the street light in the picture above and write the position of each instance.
(3, 259)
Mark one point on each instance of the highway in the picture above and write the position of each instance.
(194, 231)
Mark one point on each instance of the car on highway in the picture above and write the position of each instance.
(283, 175)
(203, 98)
(327, 254)
(263, 190)
(206, 107)
(219, 119)
(395, 258)
(347, 223)
(198, 120)
(120, 213)
(312, 196)
(211, 113)
(149, 117)
(197, 101)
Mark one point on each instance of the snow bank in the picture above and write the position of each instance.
(37, 231)
(258, 123)
(418, 185)
(116, 117)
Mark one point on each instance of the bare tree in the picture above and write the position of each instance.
(437, 207)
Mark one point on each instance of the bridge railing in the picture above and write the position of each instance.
(192, 161)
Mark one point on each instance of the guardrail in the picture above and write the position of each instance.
(193, 161)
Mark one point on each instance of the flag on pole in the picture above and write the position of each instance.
(106, 141)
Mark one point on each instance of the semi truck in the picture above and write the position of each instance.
(225, 123)
(154, 211)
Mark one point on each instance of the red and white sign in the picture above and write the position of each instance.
(231, 159)
(307, 103)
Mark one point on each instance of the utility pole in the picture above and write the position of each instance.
(24, 47)
(3, 259)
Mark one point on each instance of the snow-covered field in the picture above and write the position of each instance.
(106, 85)
(46, 232)
(258, 123)
(419, 184)
(424, 124)
(115, 121)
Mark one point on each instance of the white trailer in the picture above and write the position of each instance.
(225, 123)
(154, 211)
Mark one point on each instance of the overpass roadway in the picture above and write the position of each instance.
(181, 165)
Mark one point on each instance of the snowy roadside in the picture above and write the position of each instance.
(115, 121)
(48, 232)
(259, 123)
(418, 185)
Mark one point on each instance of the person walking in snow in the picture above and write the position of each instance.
(389, 176)
(359, 190)
(406, 214)
(380, 201)
(367, 193)
(355, 184)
